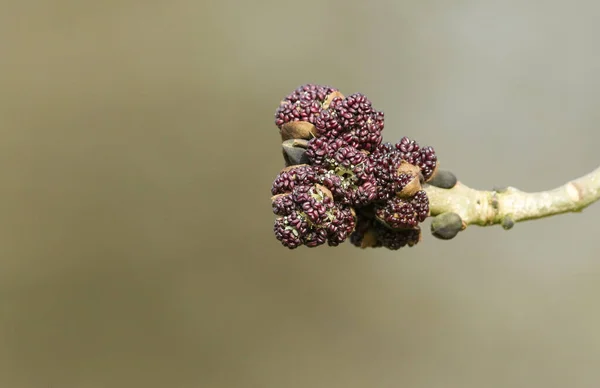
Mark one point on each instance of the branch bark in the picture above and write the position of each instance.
(510, 205)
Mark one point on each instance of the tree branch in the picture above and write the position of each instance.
(511, 205)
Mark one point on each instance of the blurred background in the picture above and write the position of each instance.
(137, 154)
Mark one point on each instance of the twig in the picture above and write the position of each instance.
(511, 205)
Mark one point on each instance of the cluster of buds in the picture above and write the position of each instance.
(341, 181)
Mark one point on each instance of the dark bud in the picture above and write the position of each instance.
(508, 222)
(446, 225)
(294, 152)
(443, 179)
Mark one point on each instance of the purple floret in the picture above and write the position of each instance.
(397, 214)
(420, 203)
(290, 230)
(292, 176)
(356, 109)
(407, 147)
(327, 124)
(428, 162)
(309, 216)
(385, 162)
(315, 237)
(341, 226)
(310, 92)
(396, 239)
(345, 170)
(313, 202)
(364, 194)
(424, 158)
(362, 124)
(304, 104)
(283, 204)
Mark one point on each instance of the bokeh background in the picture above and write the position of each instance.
(137, 152)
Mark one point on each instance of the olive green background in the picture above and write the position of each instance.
(137, 152)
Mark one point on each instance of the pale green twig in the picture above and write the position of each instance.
(511, 205)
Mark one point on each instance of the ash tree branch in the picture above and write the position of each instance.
(341, 181)
(510, 205)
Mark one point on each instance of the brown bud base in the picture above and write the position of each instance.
(297, 130)
(369, 240)
(414, 185)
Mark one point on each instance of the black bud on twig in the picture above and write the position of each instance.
(446, 225)
(443, 179)
(508, 222)
(294, 152)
